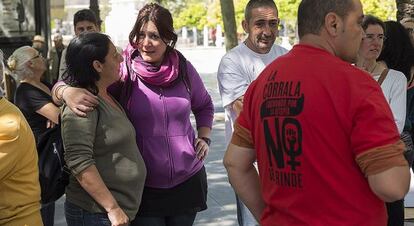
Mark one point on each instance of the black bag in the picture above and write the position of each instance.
(53, 175)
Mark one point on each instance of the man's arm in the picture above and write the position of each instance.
(232, 82)
(237, 105)
(392, 184)
(244, 178)
(387, 171)
(376, 143)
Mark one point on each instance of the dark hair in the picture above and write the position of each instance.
(398, 52)
(372, 20)
(85, 15)
(162, 19)
(253, 4)
(312, 13)
(80, 55)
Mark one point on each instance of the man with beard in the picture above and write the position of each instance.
(326, 144)
(241, 65)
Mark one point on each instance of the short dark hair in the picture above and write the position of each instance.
(85, 15)
(312, 13)
(80, 55)
(162, 19)
(398, 52)
(372, 20)
(253, 4)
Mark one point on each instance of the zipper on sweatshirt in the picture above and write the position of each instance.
(162, 97)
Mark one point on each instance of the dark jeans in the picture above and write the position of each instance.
(395, 213)
(179, 220)
(48, 213)
(76, 216)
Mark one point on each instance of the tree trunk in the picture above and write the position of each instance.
(405, 8)
(229, 21)
(94, 6)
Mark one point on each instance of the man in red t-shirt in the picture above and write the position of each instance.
(326, 144)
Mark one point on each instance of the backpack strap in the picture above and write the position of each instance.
(383, 76)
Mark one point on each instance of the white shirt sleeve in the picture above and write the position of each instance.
(398, 97)
(232, 82)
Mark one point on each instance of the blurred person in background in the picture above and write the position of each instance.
(34, 99)
(84, 20)
(19, 174)
(408, 24)
(55, 56)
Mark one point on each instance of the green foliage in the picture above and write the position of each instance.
(239, 6)
(384, 9)
(193, 15)
(208, 12)
(288, 9)
(214, 16)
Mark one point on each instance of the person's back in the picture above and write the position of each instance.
(308, 117)
(55, 55)
(30, 99)
(19, 183)
(326, 144)
(242, 64)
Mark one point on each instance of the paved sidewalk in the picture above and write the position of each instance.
(221, 200)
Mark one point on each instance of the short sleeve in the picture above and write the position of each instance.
(30, 98)
(398, 100)
(373, 124)
(245, 118)
(231, 80)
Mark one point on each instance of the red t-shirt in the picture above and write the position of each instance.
(310, 114)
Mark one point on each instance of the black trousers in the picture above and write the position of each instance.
(395, 212)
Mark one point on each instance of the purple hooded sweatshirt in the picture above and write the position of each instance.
(161, 117)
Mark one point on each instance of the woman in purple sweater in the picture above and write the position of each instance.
(159, 89)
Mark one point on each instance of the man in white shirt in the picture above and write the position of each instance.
(84, 20)
(241, 65)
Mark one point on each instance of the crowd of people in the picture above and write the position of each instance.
(318, 135)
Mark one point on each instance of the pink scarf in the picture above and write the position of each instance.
(162, 75)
